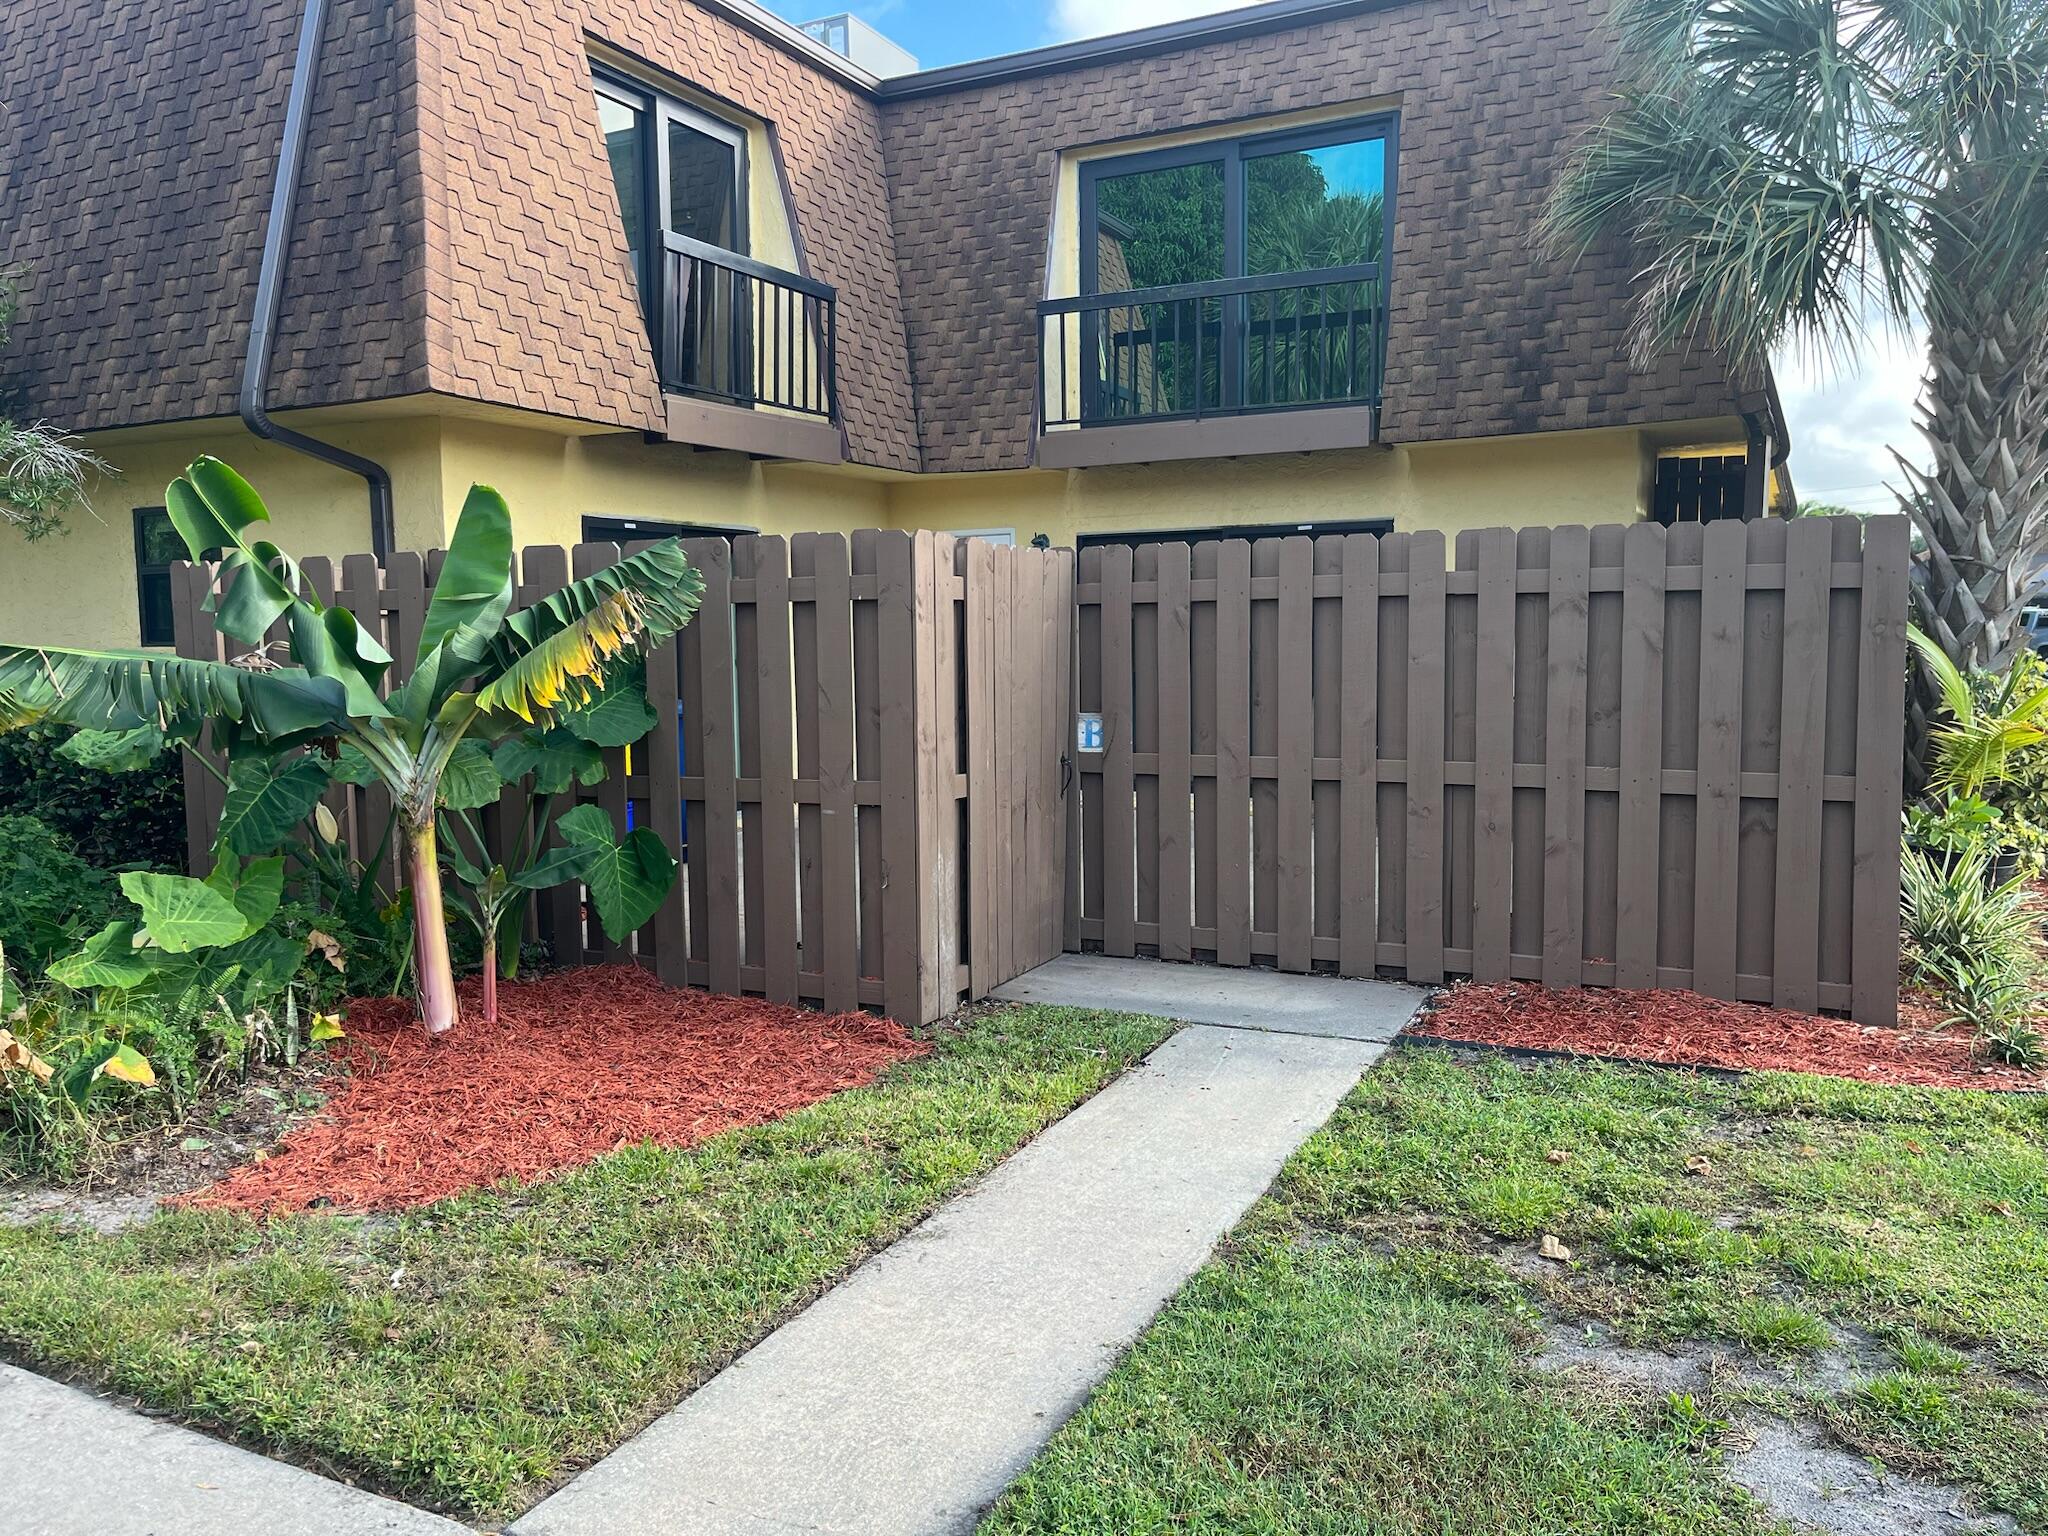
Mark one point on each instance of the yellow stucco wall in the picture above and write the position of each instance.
(80, 588)
(553, 482)
(1560, 477)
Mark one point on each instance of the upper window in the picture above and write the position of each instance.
(1237, 274)
(1303, 201)
(677, 171)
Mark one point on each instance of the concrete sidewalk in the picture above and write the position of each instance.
(72, 1464)
(1213, 994)
(903, 1402)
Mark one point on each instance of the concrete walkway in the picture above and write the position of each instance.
(1213, 994)
(903, 1402)
(76, 1465)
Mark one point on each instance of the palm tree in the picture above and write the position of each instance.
(1789, 169)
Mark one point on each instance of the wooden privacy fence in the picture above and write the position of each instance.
(1619, 755)
(858, 762)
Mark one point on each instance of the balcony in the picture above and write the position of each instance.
(1278, 363)
(746, 353)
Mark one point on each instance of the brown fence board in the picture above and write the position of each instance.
(1424, 924)
(1233, 751)
(1880, 738)
(838, 822)
(1358, 791)
(1795, 950)
(1176, 779)
(1564, 818)
(1493, 752)
(1294, 723)
(1641, 756)
(1119, 855)
(1722, 619)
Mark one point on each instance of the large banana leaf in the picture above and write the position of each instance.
(474, 588)
(125, 690)
(568, 667)
(212, 508)
(665, 588)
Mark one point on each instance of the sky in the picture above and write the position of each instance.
(1845, 418)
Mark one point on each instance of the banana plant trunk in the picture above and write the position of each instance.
(431, 960)
(491, 974)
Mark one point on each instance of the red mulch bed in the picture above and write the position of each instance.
(1686, 1029)
(580, 1063)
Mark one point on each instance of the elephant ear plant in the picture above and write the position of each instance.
(482, 673)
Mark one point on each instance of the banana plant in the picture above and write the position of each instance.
(627, 878)
(480, 673)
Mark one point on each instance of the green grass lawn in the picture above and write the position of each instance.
(469, 1354)
(1356, 1358)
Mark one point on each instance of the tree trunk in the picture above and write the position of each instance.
(1982, 509)
(431, 961)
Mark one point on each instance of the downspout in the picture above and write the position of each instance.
(284, 197)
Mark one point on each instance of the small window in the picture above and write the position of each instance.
(156, 545)
(1695, 488)
(640, 530)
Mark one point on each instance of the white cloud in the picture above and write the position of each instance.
(1097, 18)
(1845, 420)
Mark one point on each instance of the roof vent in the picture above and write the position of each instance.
(857, 42)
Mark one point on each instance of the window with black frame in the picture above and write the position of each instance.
(157, 545)
(681, 178)
(1239, 275)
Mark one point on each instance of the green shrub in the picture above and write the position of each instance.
(49, 897)
(113, 820)
(1959, 928)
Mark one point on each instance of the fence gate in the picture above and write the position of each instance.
(1616, 756)
(858, 761)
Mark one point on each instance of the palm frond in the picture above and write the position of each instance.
(124, 690)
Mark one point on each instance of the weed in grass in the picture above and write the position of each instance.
(1661, 1237)
(1684, 1420)
(1515, 1204)
(1774, 1329)
(1926, 1357)
(1827, 1266)
(1907, 1398)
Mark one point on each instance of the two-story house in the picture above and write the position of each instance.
(656, 264)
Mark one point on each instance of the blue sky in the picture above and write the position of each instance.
(948, 31)
(1846, 418)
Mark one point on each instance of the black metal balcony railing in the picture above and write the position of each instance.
(741, 331)
(1237, 345)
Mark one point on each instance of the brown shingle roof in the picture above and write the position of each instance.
(457, 227)
(137, 143)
